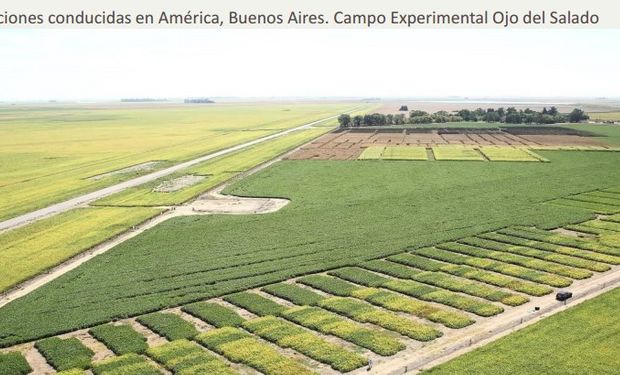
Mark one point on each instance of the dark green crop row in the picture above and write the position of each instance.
(185, 357)
(121, 339)
(566, 260)
(329, 285)
(472, 273)
(580, 253)
(592, 206)
(14, 363)
(65, 354)
(495, 266)
(128, 364)
(360, 276)
(558, 239)
(365, 313)
(442, 280)
(239, 346)
(169, 325)
(518, 260)
(289, 335)
(256, 304)
(583, 228)
(293, 293)
(217, 315)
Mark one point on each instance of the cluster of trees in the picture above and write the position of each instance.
(509, 116)
(198, 100)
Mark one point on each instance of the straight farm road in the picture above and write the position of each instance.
(89, 197)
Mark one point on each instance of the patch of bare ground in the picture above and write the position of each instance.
(152, 338)
(37, 362)
(573, 233)
(178, 183)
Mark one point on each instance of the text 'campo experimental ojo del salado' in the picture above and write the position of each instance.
(339, 18)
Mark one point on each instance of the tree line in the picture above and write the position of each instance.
(508, 116)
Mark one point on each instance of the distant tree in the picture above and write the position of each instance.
(577, 115)
(399, 119)
(344, 120)
(416, 113)
(403, 108)
(358, 120)
(389, 119)
(552, 111)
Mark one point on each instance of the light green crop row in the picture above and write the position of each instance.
(495, 266)
(184, 357)
(365, 313)
(128, 364)
(238, 346)
(289, 335)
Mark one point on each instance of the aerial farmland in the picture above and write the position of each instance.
(307, 237)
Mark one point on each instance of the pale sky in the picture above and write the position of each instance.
(113, 64)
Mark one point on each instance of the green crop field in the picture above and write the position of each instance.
(580, 340)
(48, 154)
(192, 258)
(604, 116)
(215, 171)
(34, 248)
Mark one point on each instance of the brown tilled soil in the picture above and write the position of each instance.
(349, 144)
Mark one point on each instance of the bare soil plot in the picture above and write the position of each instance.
(178, 183)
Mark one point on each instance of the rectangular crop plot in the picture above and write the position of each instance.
(405, 153)
(372, 153)
(366, 313)
(494, 153)
(128, 364)
(171, 326)
(457, 153)
(121, 339)
(65, 354)
(289, 335)
(185, 357)
(217, 315)
(14, 363)
(327, 322)
(238, 346)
